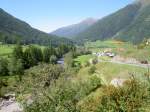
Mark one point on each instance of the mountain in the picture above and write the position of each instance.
(73, 30)
(13, 29)
(139, 29)
(131, 23)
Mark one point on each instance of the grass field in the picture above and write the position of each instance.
(99, 45)
(7, 49)
(109, 71)
(133, 52)
(83, 59)
(123, 49)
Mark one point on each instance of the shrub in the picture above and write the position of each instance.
(129, 98)
(3, 67)
(92, 70)
(53, 59)
(87, 64)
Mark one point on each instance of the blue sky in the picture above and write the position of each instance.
(48, 15)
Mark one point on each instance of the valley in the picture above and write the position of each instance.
(81, 77)
(96, 65)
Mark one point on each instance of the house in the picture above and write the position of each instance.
(109, 54)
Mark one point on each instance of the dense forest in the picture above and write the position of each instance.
(13, 29)
(128, 24)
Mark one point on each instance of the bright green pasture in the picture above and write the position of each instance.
(110, 70)
(7, 49)
(83, 59)
(124, 49)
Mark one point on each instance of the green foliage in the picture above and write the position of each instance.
(69, 62)
(139, 29)
(110, 25)
(128, 24)
(87, 64)
(95, 82)
(94, 61)
(18, 52)
(53, 59)
(32, 55)
(64, 95)
(3, 83)
(18, 30)
(47, 53)
(92, 70)
(3, 67)
(129, 98)
(6, 50)
(16, 67)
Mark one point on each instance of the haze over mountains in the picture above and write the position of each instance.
(12, 29)
(72, 30)
(131, 23)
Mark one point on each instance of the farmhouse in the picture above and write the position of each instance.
(109, 54)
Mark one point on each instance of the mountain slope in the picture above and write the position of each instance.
(13, 29)
(139, 28)
(73, 30)
(108, 26)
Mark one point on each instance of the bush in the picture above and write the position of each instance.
(129, 98)
(94, 61)
(16, 67)
(3, 67)
(92, 70)
(87, 64)
(53, 59)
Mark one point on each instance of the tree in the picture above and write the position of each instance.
(92, 70)
(18, 52)
(38, 54)
(32, 56)
(46, 55)
(69, 62)
(94, 61)
(15, 67)
(53, 59)
(27, 58)
(20, 69)
(3, 67)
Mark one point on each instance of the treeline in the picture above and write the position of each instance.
(31, 56)
(46, 40)
(70, 56)
(13, 30)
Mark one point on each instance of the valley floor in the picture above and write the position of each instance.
(87, 87)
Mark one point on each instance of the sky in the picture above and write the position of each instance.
(48, 15)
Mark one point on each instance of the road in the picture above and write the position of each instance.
(126, 63)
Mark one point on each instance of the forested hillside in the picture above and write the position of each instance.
(139, 28)
(13, 29)
(131, 23)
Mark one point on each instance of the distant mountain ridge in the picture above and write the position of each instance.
(72, 30)
(131, 23)
(13, 29)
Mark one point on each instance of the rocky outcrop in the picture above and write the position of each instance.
(9, 104)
